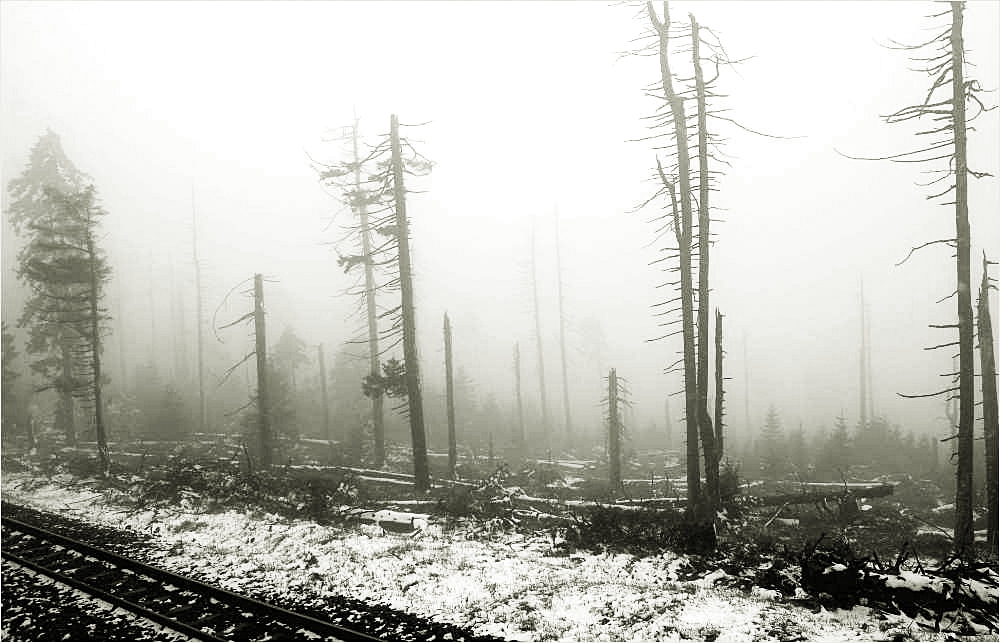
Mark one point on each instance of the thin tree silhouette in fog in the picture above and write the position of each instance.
(562, 338)
(450, 399)
(536, 311)
(615, 431)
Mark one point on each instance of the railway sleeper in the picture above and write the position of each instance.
(183, 609)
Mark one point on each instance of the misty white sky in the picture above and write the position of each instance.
(531, 111)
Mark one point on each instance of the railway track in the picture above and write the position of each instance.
(182, 604)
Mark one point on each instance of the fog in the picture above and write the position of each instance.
(530, 111)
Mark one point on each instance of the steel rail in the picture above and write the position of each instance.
(117, 601)
(224, 596)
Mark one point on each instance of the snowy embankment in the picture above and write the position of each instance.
(512, 586)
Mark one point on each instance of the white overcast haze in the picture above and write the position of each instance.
(530, 111)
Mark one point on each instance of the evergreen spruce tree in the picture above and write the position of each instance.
(772, 448)
(31, 212)
(55, 207)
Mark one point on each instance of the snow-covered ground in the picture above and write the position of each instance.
(508, 585)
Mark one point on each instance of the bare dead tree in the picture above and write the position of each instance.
(519, 439)
(614, 431)
(683, 234)
(710, 454)
(719, 388)
(199, 321)
(988, 368)
(421, 472)
(943, 59)
(449, 385)
(260, 337)
(325, 397)
(862, 371)
(677, 179)
(562, 339)
(538, 341)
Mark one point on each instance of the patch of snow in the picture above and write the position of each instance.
(408, 483)
(712, 578)
(511, 586)
(985, 593)
(919, 582)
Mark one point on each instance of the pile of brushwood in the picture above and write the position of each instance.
(218, 484)
(214, 484)
(953, 596)
(638, 531)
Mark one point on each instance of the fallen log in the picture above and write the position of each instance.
(876, 491)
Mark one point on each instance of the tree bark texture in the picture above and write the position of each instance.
(988, 368)
(719, 389)
(964, 537)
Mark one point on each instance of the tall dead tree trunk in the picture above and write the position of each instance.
(868, 362)
(517, 393)
(178, 332)
(862, 371)
(988, 368)
(669, 420)
(704, 419)
(199, 322)
(323, 392)
(153, 353)
(614, 434)
(683, 233)
(538, 340)
(690, 385)
(378, 399)
(562, 340)
(746, 387)
(449, 384)
(719, 388)
(421, 471)
(263, 412)
(964, 536)
(945, 105)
